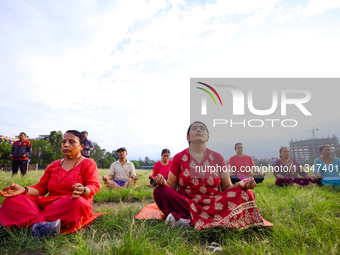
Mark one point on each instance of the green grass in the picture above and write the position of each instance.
(307, 221)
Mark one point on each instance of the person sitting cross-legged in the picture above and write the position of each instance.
(122, 172)
(204, 199)
(326, 168)
(62, 198)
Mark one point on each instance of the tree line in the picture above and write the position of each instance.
(47, 150)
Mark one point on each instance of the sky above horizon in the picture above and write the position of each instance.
(121, 69)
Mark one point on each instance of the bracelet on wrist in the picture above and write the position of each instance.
(84, 190)
(25, 192)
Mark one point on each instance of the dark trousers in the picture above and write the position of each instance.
(23, 166)
(257, 178)
(169, 201)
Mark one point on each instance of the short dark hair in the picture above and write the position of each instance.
(324, 146)
(193, 124)
(81, 136)
(22, 133)
(237, 144)
(165, 151)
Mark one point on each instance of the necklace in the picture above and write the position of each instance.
(61, 163)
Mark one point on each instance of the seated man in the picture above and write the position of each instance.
(122, 172)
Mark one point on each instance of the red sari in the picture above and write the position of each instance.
(24, 210)
(209, 207)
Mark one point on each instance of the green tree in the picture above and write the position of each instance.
(115, 154)
(5, 150)
(97, 154)
(56, 138)
(42, 153)
(141, 162)
(147, 161)
(136, 163)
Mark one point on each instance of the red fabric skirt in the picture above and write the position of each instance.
(25, 210)
(232, 208)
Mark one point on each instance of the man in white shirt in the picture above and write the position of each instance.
(122, 172)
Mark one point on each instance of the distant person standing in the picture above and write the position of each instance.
(19, 153)
(273, 161)
(88, 146)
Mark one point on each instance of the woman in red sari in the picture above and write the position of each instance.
(70, 184)
(205, 199)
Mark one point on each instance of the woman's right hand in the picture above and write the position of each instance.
(12, 190)
(159, 180)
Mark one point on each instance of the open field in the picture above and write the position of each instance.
(307, 221)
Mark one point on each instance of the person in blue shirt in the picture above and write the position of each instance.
(327, 167)
(88, 146)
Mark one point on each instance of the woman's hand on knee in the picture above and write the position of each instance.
(12, 190)
(159, 180)
(248, 183)
(78, 190)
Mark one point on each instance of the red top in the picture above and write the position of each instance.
(161, 169)
(20, 148)
(209, 207)
(190, 183)
(245, 162)
(85, 172)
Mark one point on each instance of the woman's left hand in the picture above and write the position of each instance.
(248, 183)
(78, 190)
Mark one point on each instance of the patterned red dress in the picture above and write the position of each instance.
(209, 207)
(24, 210)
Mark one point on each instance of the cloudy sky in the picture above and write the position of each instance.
(121, 69)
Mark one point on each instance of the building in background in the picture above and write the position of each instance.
(7, 139)
(304, 149)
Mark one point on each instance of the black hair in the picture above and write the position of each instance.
(324, 146)
(237, 144)
(81, 136)
(193, 124)
(22, 133)
(281, 149)
(165, 151)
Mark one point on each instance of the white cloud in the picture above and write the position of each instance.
(315, 7)
(282, 16)
(138, 95)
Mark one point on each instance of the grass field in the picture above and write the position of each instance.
(307, 221)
